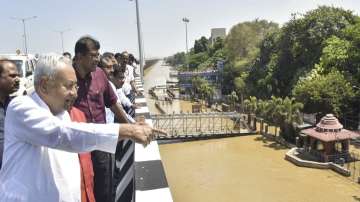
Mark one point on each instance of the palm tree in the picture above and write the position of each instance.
(233, 98)
(251, 107)
(273, 111)
(262, 107)
(289, 115)
(206, 91)
(283, 113)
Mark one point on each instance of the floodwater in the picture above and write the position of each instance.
(247, 168)
(157, 75)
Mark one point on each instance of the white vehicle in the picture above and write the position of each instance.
(25, 65)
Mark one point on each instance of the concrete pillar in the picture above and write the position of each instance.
(261, 126)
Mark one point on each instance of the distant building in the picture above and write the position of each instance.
(216, 33)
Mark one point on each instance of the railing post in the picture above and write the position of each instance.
(200, 128)
(213, 118)
(239, 118)
(172, 124)
(221, 118)
(186, 126)
(183, 121)
(196, 124)
(254, 123)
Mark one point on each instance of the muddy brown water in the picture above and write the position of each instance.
(248, 169)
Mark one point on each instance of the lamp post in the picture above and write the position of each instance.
(24, 27)
(61, 32)
(141, 53)
(186, 21)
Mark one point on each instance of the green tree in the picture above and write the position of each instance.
(176, 59)
(330, 93)
(196, 59)
(290, 114)
(201, 45)
(240, 87)
(295, 49)
(197, 82)
(233, 98)
(250, 106)
(241, 48)
(244, 38)
(206, 91)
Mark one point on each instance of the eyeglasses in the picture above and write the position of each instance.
(71, 86)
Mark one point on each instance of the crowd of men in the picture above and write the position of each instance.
(65, 141)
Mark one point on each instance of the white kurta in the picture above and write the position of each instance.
(38, 164)
(129, 76)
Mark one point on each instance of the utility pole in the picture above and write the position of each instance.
(24, 27)
(140, 41)
(61, 32)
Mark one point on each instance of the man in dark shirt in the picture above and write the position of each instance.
(94, 94)
(9, 83)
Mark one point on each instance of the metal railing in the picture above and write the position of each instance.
(200, 125)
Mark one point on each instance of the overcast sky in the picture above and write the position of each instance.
(113, 22)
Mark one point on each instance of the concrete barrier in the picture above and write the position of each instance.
(291, 156)
(150, 179)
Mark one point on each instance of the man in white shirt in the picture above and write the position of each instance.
(41, 143)
(135, 64)
(129, 84)
(107, 65)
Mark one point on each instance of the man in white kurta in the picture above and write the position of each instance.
(35, 167)
(40, 161)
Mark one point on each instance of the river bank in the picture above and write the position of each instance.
(247, 168)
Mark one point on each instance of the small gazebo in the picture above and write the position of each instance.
(328, 141)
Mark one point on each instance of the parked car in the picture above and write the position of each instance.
(25, 65)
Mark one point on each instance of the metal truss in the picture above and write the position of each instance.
(200, 124)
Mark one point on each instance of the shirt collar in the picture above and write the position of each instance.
(38, 100)
(42, 104)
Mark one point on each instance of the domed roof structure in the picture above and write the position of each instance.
(329, 123)
(329, 129)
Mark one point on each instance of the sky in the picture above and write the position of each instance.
(113, 22)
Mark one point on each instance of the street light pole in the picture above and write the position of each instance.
(24, 27)
(141, 53)
(186, 21)
(61, 32)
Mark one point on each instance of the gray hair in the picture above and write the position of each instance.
(48, 65)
